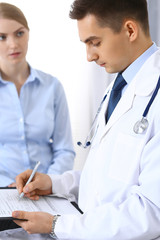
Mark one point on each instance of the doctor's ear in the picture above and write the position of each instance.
(131, 28)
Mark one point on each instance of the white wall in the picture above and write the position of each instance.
(154, 19)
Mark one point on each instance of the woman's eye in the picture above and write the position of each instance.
(19, 34)
(2, 37)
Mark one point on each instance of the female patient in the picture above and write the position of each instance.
(34, 118)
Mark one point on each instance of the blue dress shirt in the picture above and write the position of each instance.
(34, 126)
(132, 70)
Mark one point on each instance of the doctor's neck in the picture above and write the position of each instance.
(140, 44)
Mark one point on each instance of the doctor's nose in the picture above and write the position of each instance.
(91, 55)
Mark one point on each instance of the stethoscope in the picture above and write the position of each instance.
(139, 127)
(88, 142)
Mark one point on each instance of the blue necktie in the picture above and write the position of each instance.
(115, 95)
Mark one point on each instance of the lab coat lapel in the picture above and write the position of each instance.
(122, 107)
(136, 87)
(101, 124)
(101, 120)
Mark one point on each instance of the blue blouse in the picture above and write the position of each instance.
(34, 126)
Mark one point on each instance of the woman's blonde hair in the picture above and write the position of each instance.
(9, 11)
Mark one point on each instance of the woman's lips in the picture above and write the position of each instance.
(15, 54)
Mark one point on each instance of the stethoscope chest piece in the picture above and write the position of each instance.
(141, 126)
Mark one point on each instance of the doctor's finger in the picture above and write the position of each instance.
(24, 219)
(32, 195)
(40, 183)
(21, 215)
(21, 179)
(33, 185)
(36, 222)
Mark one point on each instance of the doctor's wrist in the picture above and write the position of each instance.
(52, 234)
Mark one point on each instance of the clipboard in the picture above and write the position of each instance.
(6, 222)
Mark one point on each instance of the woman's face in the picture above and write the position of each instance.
(13, 42)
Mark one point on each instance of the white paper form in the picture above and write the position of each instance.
(10, 201)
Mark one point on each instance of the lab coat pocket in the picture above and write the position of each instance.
(124, 165)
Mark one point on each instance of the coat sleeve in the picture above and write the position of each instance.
(137, 217)
(66, 185)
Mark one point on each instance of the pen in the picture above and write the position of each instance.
(31, 177)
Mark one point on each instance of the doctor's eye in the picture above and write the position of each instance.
(2, 37)
(96, 44)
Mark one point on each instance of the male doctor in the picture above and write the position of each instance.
(119, 187)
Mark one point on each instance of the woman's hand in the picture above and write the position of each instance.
(41, 184)
(34, 222)
(12, 184)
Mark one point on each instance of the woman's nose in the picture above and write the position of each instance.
(12, 42)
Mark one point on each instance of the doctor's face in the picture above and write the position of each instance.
(13, 41)
(107, 48)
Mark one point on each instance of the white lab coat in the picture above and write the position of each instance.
(119, 187)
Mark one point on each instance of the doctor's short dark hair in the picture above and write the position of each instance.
(112, 13)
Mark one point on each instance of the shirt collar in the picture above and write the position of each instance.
(1, 79)
(33, 76)
(132, 70)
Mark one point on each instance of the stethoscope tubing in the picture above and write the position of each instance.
(88, 142)
(143, 120)
(152, 99)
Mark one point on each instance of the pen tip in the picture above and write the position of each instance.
(21, 195)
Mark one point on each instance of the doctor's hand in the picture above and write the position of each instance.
(35, 222)
(41, 184)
